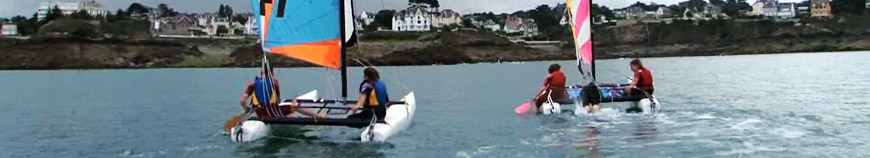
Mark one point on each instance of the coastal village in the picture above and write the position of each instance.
(424, 17)
(423, 33)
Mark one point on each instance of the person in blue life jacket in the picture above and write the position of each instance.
(265, 95)
(373, 97)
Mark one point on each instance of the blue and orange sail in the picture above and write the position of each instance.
(308, 30)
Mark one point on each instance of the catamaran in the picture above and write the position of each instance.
(580, 13)
(318, 32)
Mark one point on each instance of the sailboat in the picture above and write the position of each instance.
(580, 13)
(318, 32)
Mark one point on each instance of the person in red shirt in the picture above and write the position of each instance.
(554, 86)
(643, 79)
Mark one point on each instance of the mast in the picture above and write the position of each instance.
(592, 38)
(343, 52)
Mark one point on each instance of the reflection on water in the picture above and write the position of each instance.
(590, 142)
(646, 129)
(291, 141)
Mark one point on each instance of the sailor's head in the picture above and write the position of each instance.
(371, 74)
(554, 68)
(636, 65)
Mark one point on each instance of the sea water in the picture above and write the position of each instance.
(785, 105)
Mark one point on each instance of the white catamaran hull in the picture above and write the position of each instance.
(252, 130)
(649, 106)
(398, 119)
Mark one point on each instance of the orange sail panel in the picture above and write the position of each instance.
(324, 53)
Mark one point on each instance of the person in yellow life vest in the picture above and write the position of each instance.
(264, 94)
(373, 97)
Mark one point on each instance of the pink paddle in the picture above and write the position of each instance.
(523, 108)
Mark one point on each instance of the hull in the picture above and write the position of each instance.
(398, 118)
(252, 130)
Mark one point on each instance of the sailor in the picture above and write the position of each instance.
(643, 80)
(265, 95)
(554, 87)
(373, 97)
(642, 84)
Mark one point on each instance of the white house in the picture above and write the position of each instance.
(9, 29)
(68, 7)
(412, 19)
(367, 18)
(445, 18)
(786, 10)
(251, 27)
(515, 24)
(491, 25)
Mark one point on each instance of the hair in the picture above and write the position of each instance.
(636, 62)
(371, 74)
(554, 68)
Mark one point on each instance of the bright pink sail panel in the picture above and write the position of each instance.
(582, 27)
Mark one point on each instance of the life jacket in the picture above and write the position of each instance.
(264, 93)
(645, 80)
(557, 80)
(378, 96)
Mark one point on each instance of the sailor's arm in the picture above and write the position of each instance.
(244, 102)
(359, 103)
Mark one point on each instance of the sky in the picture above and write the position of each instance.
(10, 8)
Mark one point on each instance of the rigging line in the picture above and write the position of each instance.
(387, 75)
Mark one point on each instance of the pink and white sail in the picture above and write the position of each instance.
(581, 24)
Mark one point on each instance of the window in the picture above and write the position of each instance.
(418, 21)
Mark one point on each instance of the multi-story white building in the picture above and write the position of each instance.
(412, 19)
(68, 7)
(8, 29)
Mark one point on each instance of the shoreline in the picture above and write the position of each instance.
(357, 66)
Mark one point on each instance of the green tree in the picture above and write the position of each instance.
(717, 2)
(602, 10)
(225, 11)
(165, 11)
(467, 23)
(242, 19)
(432, 3)
(137, 8)
(696, 5)
(222, 11)
(53, 14)
(842, 7)
(222, 30)
(544, 17)
(81, 15)
(384, 18)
